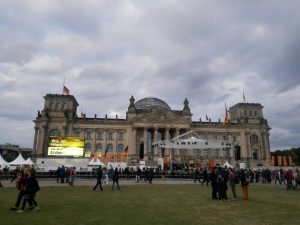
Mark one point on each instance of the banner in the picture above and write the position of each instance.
(284, 161)
(103, 157)
(273, 160)
(123, 157)
(290, 160)
(115, 157)
(109, 157)
(279, 158)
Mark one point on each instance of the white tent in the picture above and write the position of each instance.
(96, 163)
(226, 164)
(29, 161)
(3, 162)
(18, 161)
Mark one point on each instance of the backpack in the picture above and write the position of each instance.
(220, 179)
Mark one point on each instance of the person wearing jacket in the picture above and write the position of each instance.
(244, 184)
(99, 179)
(32, 187)
(115, 178)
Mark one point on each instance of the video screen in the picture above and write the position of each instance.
(65, 146)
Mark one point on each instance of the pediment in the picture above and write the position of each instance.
(160, 116)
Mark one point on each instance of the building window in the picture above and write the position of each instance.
(255, 113)
(253, 139)
(250, 113)
(99, 135)
(245, 113)
(77, 133)
(52, 107)
(99, 147)
(216, 153)
(109, 148)
(64, 106)
(120, 136)
(57, 106)
(87, 149)
(120, 149)
(54, 132)
(255, 155)
(110, 136)
(196, 153)
(88, 135)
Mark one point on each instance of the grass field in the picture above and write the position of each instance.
(153, 204)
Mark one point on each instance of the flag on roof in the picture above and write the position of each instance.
(226, 115)
(126, 149)
(66, 91)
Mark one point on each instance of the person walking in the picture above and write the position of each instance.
(99, 178)
(32, 186)
(72, 176)
(297, 179)
(115, 178)
(244, 184)
(138, 175)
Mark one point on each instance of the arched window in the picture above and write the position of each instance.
(253, 139)
(120, 149)
(109, 148)
(99, 147)
(54, 132)
(87, 149)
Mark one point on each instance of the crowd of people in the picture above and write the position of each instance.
(220, 179)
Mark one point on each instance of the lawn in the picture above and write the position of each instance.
(153, 204)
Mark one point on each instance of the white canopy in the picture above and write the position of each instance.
(226, 164)
(95, 163)
(18, 161)
(29, 161)
(2, 161)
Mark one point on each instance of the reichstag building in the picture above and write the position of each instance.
(149, 120)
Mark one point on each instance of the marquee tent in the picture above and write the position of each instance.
(3, 162)
(96, 162)
(226, 164)
(29, 161)
(18, 161)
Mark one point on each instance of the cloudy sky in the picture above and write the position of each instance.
(207, 51)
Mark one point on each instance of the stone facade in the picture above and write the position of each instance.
(150, 120)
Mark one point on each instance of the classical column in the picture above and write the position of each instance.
(134, 142)
(145, 138)
(244, 146)
(155, 140)
(166, 138)
(177, 151)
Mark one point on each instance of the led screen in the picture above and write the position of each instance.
(65, 146)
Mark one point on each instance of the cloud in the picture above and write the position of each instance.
(207, 51)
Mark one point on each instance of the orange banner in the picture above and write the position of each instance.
(115, 157)
(103, 157)
(290, 160)
(279, 158)
(284, 161)
(273, 160)
(122, 157)
(109, 157)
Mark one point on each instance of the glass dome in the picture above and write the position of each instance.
(150, 103)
